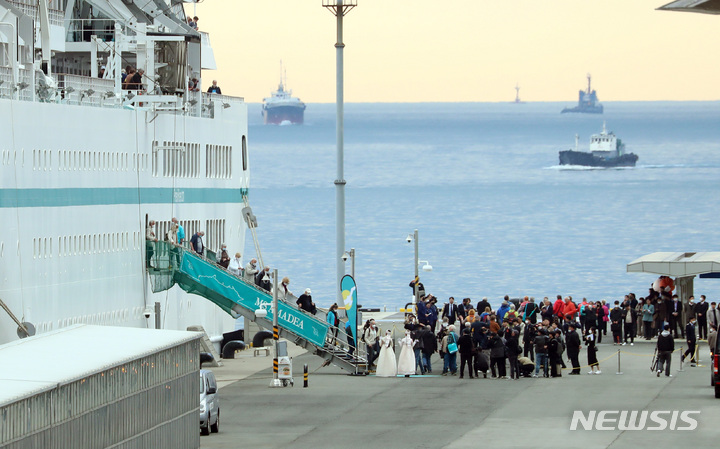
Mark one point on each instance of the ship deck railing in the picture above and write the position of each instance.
(8, 88)
(81, 90)
(30, 8)
(87, 90)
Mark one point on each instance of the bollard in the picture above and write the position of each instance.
(681, 360)
(305, 375)
(618, 370)
(276, 331)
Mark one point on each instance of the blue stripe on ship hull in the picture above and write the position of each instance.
(112, 196)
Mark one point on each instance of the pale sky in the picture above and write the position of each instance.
(464, 50)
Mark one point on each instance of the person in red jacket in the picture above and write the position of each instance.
(570, 309)
(558, 309)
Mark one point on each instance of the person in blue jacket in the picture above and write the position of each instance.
(502, 311)
(333, 320)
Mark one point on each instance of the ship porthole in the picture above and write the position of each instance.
(244, 153)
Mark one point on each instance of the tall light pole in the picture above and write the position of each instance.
(417, 275)
(426, 267)
(339, 8)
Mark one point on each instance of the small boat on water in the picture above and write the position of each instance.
(606, 150)
(282, 108)
(587, 101)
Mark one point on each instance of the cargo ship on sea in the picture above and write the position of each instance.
(86, 164)
(587, 101)
(606, 151)
(282, 108)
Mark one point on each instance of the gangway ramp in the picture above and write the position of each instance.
(171, 264)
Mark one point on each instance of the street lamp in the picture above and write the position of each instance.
(426, 267)
(351, 255)
(339, 8)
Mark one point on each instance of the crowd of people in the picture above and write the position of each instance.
(132, 78)
(522, 338)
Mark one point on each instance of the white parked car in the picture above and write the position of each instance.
(209, 403)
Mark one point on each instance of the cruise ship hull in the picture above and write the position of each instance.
(79, 184)
(276, 115)
(570, 157)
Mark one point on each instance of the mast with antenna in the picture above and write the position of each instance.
(589, 77)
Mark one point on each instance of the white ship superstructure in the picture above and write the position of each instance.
(85, 164)
(282, 108)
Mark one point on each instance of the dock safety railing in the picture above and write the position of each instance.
(170, 264)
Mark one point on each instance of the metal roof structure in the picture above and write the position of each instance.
(36, 364)
(700, 6)
(676, 264)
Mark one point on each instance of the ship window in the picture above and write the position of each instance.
(207, 160)
(154, 159)
(165, 161)
(228, 157)
(244, 154)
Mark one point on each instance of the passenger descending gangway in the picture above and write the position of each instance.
(171, 264)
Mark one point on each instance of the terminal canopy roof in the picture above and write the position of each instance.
(702, 6)
(676, 264)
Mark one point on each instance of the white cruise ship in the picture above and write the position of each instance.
(86, 164)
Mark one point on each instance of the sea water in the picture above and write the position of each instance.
(481, 183)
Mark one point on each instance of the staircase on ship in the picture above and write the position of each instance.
(172, 265)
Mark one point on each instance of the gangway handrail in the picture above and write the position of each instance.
(318, 332)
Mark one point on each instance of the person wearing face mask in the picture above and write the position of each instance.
(250, 271)
(675, 317)
(689, 310)
(235, 266)
(222, 257)
(714, 315)
(701, 309)
(283, 291)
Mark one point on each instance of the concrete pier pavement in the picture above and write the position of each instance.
(436, 411)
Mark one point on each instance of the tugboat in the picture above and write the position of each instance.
(587, 101)
(606, 150)
(281, 108)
